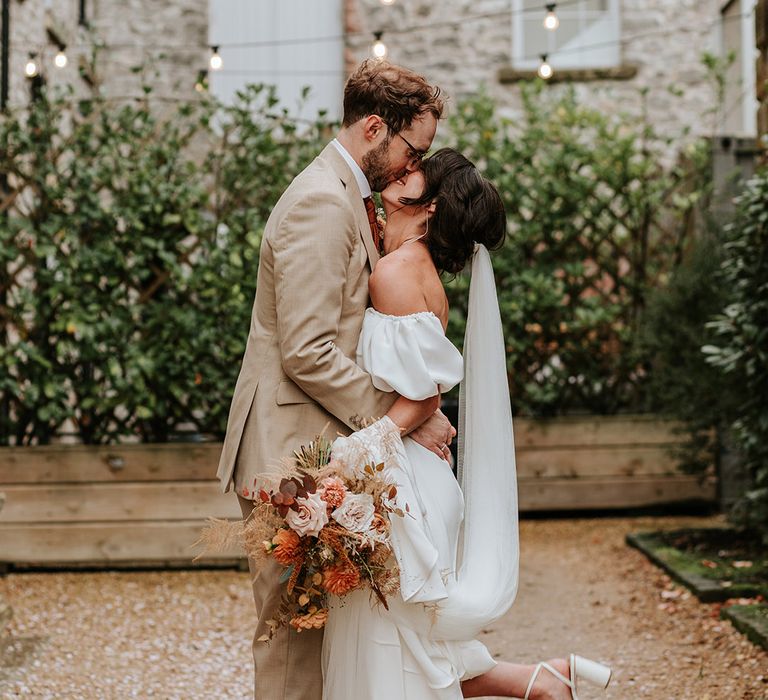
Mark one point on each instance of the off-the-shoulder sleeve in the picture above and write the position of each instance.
(408, 354)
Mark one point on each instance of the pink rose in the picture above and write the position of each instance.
(355, 513)
(311, 516)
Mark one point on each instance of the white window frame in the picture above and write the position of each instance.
(747, 89)
(605, 54)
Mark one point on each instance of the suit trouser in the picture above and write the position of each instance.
(287, 667)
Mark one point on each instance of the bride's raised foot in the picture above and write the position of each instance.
(558, 679)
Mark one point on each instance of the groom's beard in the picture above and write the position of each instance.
(376, 167)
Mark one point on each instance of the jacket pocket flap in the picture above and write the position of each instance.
(288, 392)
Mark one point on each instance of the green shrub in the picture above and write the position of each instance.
(596, 222)
(129, 250)
(127, 269)
(682, 385)
(740, 348)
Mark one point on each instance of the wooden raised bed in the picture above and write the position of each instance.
(601, 462)
(145, 504)
(119, 504)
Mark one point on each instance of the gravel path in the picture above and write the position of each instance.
(186, 635)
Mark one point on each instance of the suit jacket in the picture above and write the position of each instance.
(298, 372)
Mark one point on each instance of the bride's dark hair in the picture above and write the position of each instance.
(468, 210)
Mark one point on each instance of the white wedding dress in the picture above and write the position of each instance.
(458, 567)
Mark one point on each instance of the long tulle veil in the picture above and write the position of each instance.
(489, 556)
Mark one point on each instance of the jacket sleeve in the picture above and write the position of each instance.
(312, 249)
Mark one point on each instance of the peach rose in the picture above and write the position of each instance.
(355, 513)
(311, 517)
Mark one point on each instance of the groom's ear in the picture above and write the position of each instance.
(373, 127)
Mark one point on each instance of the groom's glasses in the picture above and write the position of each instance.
(414, 154)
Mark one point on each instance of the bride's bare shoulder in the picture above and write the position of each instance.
(395, 285)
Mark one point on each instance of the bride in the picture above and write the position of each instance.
(457, 548)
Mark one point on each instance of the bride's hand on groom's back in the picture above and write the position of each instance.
(435, 433)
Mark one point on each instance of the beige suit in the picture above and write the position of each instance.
(298, 372)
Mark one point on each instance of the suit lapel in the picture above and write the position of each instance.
(340, 167)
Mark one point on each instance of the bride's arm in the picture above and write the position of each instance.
(394, 290)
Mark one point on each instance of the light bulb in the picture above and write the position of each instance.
(379, 48)
(388, 2)
(545, 70)
(551, 21)
(30, 69)
(60, 60)
(216, 60)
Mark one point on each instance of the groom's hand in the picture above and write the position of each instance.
(435, 433)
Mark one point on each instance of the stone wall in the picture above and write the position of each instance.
(170, 39)
(663, 41)
(661, 49)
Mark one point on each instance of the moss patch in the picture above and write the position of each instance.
(715, 563)
(751, 620)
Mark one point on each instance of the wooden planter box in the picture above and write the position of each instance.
(602, 462)
(119, 504)
(145, 504)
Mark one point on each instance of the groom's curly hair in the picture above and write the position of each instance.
(394, 93)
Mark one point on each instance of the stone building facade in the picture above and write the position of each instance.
(471, 44)
(168, 38)
(463, 45)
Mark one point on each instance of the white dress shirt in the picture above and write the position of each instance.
(362, 181)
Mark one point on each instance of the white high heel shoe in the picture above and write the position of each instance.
(581, 669)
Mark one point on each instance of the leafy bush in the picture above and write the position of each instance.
(596, 222)
(129, 250)
(740, 348)
(682, 385)
(128, 270)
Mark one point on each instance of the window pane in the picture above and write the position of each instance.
(588, 35)
(568, 30)
(537, 39)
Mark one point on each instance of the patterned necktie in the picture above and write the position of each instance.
(370, 208)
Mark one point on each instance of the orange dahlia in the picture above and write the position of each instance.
(340, 579)
(311, 620)
(286, 546)
(332, 491)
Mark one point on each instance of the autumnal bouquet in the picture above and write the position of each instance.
(327, 522)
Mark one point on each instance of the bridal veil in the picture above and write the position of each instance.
(489, 553)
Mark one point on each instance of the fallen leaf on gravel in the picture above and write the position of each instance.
(671, 595)
(709, 563)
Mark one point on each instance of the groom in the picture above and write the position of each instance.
(298, 373)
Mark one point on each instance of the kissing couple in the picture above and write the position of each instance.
(348, 322)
